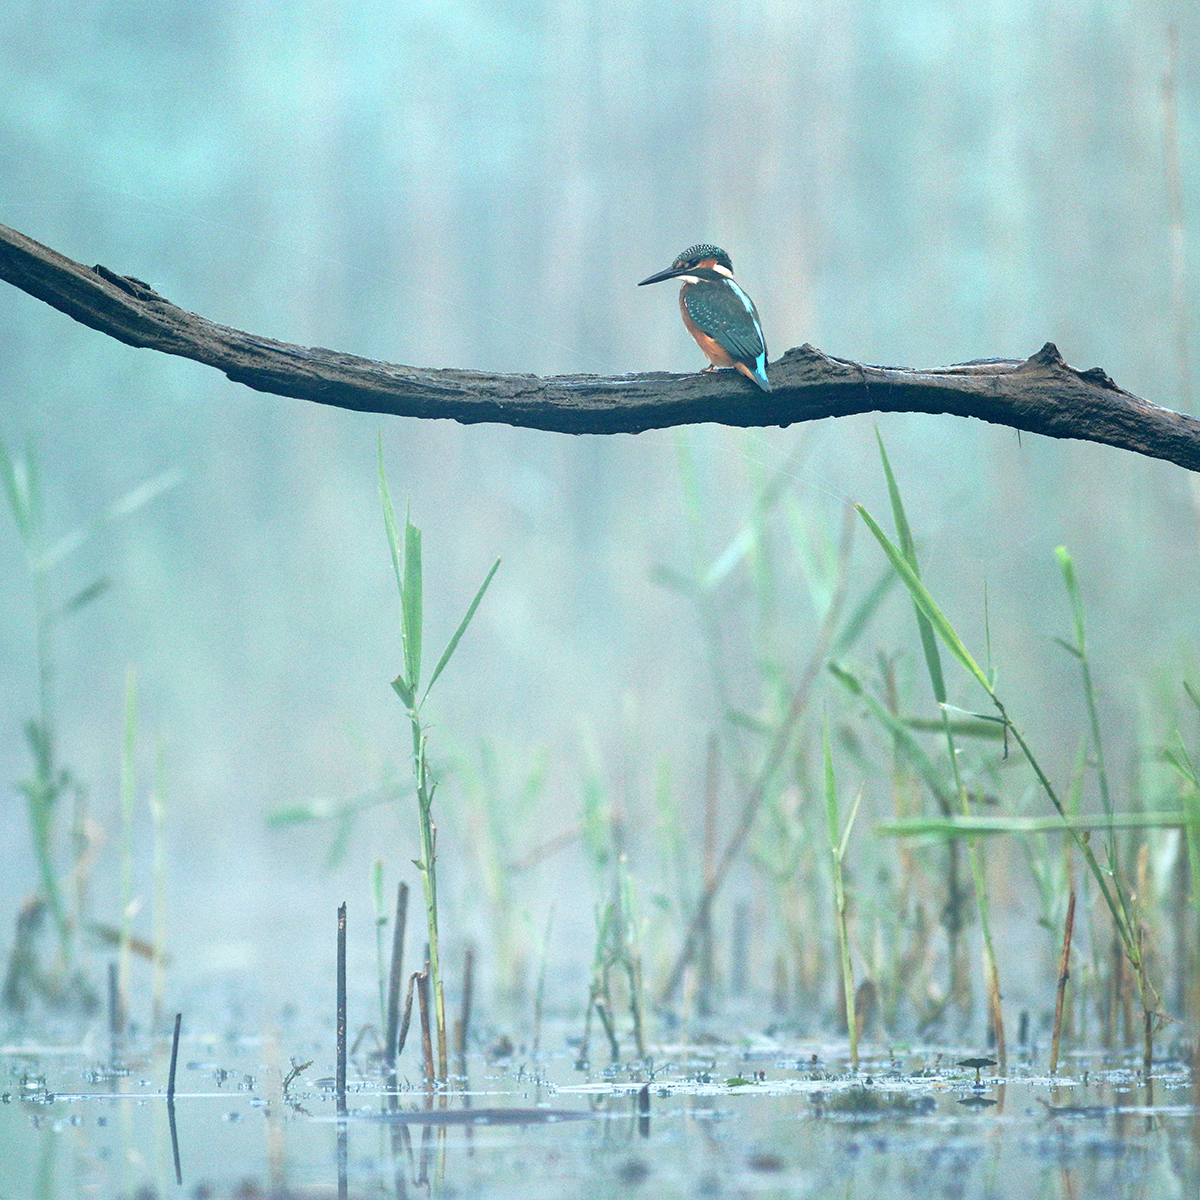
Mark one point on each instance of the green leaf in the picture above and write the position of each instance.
(377, 892)
(741, 545)
(674, 581)
(1073, 593)
(389, 521)
(831, 801)
(298, 814)
(980, 725)
(925, 602)
(973, 826)
(906, 744)
(20, 480)
(92, 592)
(849, 825)
(403, 691)
(140, 496)
(744, 720)
(1072, 650)
(1182, 763)
(410, 605)
(860, 618)
(933, 660)
(452, 645)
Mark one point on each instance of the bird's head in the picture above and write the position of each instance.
(702, 258)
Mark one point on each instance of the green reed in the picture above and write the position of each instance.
(406, 563)
(838, 839)
(50, 782)
(1108, 877)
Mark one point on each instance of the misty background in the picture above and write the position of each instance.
(482, 185)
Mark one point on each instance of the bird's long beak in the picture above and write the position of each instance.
(669, 273)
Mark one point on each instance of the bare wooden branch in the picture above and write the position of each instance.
(1041, 394)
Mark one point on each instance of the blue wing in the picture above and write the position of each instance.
(727, 314)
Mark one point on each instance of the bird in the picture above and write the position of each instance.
(717, 313)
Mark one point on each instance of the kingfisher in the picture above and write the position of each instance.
(717, 313)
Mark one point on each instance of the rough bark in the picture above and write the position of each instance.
(1040, 394)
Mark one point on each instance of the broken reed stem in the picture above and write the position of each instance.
(174, 1060)
(395, 977)
(426, 1035)
(462, 1025)
(403, 1035)
(1063, 975)
(1148, 1035)
(1148, 1015)
(114, 1011)
(997, 1016)
(341, 1009)
(602, 1011)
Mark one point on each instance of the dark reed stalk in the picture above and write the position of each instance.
(1063, 975)
(395, 977)
(1149, 1017)
(341, 1009)
(401, 1158)
(426, 1034)
(740, 959)
(115, 1024)
(402, 1036)
(175, 1143)
(462, 1025)
(343, 1161)
(610, 1030)
(174, 1060)
(171, 1101)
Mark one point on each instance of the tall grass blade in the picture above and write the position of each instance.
(452, 645)
(908, 548)
(1080, 651)
(929, 617)
(975, 826)
(860, 618)
(837, 848)
(124, 506)
(925, 602)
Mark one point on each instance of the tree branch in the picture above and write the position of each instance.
(1041, 394)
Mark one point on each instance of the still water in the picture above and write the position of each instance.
(737, 1116)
